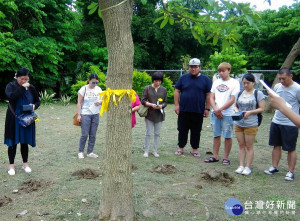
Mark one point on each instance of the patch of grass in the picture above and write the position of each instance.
(169, 197)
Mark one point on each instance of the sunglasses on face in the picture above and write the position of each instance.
(95, 82)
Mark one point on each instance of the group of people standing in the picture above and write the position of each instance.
(194, 97)
(195, 94)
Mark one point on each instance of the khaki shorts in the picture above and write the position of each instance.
(246, 130)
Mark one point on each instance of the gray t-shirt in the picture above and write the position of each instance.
(246, 103)
(292, 96)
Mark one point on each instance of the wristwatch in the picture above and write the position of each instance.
(207, 109)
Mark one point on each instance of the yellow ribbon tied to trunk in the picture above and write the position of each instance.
(108, 94)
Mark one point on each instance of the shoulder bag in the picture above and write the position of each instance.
(75, 121)
(143, 111)
(25, 119)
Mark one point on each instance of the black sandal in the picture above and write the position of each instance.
(211, 160)
(226, 162)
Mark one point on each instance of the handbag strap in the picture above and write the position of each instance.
(83, 97)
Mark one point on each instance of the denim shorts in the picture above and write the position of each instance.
(221, 127)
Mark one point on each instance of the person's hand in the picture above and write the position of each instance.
(206, 113)
(218, 113)
(276, 102)
(26, 85)
(97, 103)
(79, 118)
(33, 107)
(177, 109)
(246, 114)
(156, 107)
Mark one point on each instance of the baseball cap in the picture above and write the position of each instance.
(194, 61)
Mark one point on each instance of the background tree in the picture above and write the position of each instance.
(267, 48)
(37, 35)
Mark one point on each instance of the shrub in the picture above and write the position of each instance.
(65, 99)
(75, 89)
(140, 81)
(236, 60)
(46, 98)
(168, 84)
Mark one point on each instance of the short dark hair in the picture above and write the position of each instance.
(158, 76)
(249, 77)
(22, 72)
(93, 76)
(284, 70)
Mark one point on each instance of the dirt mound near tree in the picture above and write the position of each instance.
(86, 174)
(4, 200)
(217, 176)
(33, 185)
(164, 169)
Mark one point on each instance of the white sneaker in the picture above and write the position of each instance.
(155, 154)
(240, 169)
(145, 154)
(11, 172)
(271, 170)
(289, 176)
(26, 169)
(80, 155)
(92, 155)
(247, 171)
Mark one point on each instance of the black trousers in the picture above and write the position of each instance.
(189, 121)
(12, 150)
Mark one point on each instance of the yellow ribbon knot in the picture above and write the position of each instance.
(120, 93)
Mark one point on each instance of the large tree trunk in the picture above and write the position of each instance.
(116, 201)
(287, 64)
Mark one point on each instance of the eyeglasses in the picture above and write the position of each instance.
(95, 82)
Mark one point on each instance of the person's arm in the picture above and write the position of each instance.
(136, 104)
(228, 103)
(36, 99)
(145, 95)
(79, 105)
(13, 91)
(260, 109)
(280, 104)
(216, 111)
(207, 104)
(176, 100)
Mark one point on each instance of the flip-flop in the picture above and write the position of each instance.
(226, 162)
(197, 155)
(211, 160)
(179, 153)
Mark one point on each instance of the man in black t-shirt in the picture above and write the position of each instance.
(192, 103)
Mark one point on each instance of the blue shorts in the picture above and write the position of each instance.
(222, 126)
(284, 136)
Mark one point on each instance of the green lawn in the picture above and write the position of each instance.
(183, 195)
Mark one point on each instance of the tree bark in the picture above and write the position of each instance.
(287, 64)
(116, 201)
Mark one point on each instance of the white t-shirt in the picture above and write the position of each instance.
(223, 91)
(91, 96)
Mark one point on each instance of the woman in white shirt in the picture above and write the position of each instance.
(88, 108)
